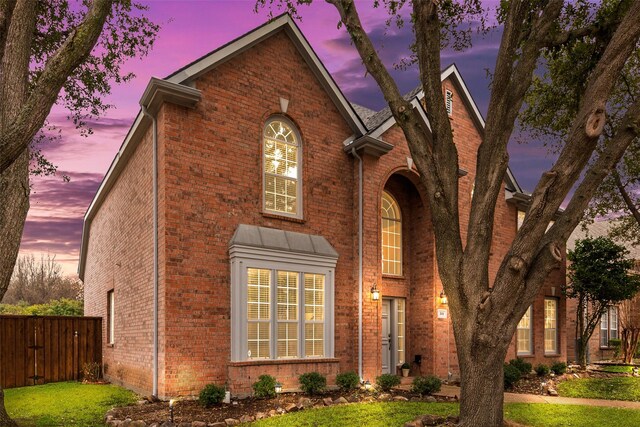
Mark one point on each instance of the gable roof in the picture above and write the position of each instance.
(381, 121)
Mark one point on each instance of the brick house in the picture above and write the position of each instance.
(610, 324)
(254, 221)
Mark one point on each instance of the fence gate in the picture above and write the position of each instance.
(43, 349)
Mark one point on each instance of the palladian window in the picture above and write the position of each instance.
(391, 236)
(282, 186)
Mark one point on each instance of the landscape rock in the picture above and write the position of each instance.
(114, 423)
(400, 399)
(142, 402)
(291, 407)
(260, 415)
(247, 419)
(304, 402)
(432, 420)
(184, 424)
(384, 396)
(218, 424)
(340, 400)
(552, 392)
(272, 412)
(414, 423)
(231, 422)
(198, 424)
(430, 399)
(138, 423)
(327, 401)
(352, 399)
(167, 424)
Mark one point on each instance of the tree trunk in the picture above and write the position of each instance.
(5, 421)
(14, 205)
(482, 385)
(630, 338)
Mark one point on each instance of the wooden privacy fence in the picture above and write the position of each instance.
(37, 350)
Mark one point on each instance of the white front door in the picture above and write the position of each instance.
(386, 336)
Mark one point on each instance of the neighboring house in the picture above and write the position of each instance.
(599, 346)
(268, 260)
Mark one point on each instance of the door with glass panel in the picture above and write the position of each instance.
(393, 334)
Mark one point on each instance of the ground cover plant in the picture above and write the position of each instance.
(618, 388)
(313, 383)
(68, 404)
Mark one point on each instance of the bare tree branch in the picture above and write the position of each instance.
(625, 196)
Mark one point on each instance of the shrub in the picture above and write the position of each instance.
(312, 382)
(211, 395)
(426, 385)
(521, 365)
(615, 344)
(511, 375)
(91, 372)
(387, 381)
(559, 368)
(348, 380)
(265, 387)
(542, 370)
(405, 365)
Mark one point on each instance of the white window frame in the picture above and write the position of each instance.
(111, 311)
(245, 257)
(382, 234)
(556, 350)
(605, 333)
(299, 201)
(529, 352)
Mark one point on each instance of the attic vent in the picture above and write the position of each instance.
(449, 101)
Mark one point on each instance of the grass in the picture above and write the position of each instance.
(64, 404)
(622, 388)
(616, 369)
(397, 413)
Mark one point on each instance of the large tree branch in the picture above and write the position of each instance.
(6, 11)
(581, 142)
(15, 61)
(72, 53)
(626, 197)
(545, 261)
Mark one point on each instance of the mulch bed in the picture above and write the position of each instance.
(191, 410)
(532, 383)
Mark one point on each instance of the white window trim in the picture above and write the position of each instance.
(398, 220)
(299, 202)
(555, 351)
(111, 310)
(243, 257)
(607, 331)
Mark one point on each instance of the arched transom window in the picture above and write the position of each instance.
(282, 169)
(391, 236)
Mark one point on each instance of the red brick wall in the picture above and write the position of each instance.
(120, 257)
(596, 353)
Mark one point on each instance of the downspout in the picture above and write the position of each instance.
(355, 154)
(155, 250)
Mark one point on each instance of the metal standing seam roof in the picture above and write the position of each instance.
(290, 241)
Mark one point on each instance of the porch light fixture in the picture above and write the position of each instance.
(171, 403)
(443, 298)
(278, 388)
(375, 292)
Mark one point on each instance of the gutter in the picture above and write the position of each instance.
(355, 154)
(155, 250)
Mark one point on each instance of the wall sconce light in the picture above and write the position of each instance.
(171, 403)
(375, 292)
(443, 298)
(278, 388)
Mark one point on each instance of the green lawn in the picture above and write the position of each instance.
(616, 369)
(622, 388)
(64, 404)
(397, 413)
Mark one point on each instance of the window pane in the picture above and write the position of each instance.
(258, 312)
(401, 330)
(523, 336)
(314, 298)
(550, 326)
(280, 168)
(391, 236)
(287, 339)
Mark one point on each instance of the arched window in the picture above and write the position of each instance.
(391, 236)
(282, 172)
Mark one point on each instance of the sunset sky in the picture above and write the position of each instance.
(190, 29)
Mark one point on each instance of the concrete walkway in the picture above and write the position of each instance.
(451, 391)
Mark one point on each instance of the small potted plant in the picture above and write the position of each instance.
(405, 369)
